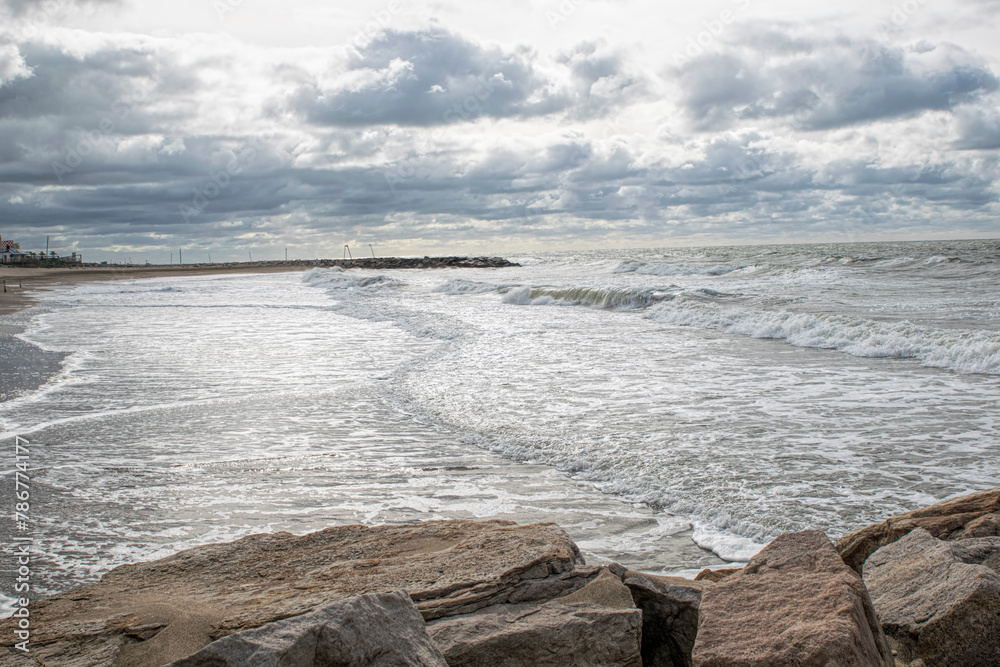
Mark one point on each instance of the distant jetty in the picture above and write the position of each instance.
(377, 263)
(380, 263)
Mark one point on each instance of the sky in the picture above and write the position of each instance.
(231, 128)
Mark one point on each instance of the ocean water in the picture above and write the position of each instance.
(672, 408)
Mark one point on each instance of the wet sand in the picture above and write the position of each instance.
(23, 366)
(23, 284)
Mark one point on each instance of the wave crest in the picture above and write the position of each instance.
(591, 297)
(965, 351)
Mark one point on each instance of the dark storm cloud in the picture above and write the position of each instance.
(44, 10)
(825, 84)
(374, 158)
(81, 90)
(430, 77)
(602, 80)
(21, 7)
(979, 128)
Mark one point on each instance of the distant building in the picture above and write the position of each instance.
(11, 253)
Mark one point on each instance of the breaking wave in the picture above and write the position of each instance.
(964, 351)
(591, 297)
(336, 278)
(633, 266)
(460, 286)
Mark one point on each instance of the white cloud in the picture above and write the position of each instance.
(460, 126)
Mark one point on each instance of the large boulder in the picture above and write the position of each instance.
(933, 606)
(168, 609)
(979, 551)
(795, 604)
(974, 515)
(377, 629)
(669, 616)
(597, 625)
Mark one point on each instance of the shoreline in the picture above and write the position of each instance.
(20, 278)
(31, 280)
(917, 588)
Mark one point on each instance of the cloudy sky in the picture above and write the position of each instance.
(132, 129)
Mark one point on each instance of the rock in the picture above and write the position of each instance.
(377, 629)
(715, 575)
(596, 625)
(973, 515)
(384, 263)
(987, 525)
(979, 551)
(933, 606)
(795, 603)
(669, 616)
(168, 609)
(605, 590)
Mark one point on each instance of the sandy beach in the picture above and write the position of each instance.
(23, 283)
(23, 366)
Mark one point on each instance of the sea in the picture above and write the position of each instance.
(671, 408)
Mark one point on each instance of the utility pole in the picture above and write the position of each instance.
(180, 253)
(209, 258)
(373, 250)
(46, 245)
(171, 259)
(251, 255)
(286, 254)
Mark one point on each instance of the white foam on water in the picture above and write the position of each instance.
(7, 605)
(342, 397)
(653, 269)
(462, 286)
(341, 280)
(725, 545)
(591, 297)
(964, 351)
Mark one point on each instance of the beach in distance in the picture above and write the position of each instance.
(672, 409)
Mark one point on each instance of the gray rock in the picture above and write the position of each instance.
(377, 629)
(933, 606)
(149, 614)
(974, 515)
(987, 525)
(979, 551)
(669, 616)
(596, 625)
(795, 604)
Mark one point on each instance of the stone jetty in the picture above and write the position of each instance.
(916, 590)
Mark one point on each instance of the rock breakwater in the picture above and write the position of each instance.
(496, 593)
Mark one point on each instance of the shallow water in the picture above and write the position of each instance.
(638, 398)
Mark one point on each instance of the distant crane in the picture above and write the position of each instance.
(347, 252)
(373, 250)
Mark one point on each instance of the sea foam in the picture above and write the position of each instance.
(959, 350)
